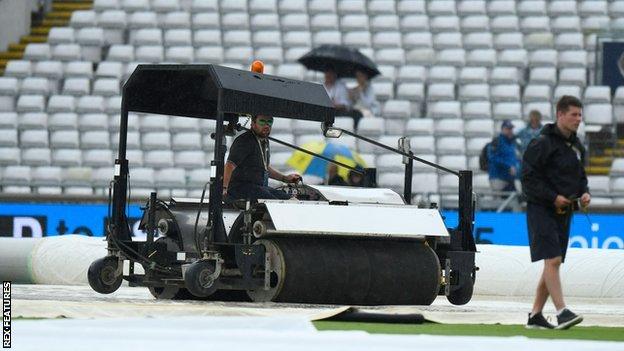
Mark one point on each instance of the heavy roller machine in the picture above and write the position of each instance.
(327, 245)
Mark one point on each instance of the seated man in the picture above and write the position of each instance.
(248, 169)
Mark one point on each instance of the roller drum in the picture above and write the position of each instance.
(350, 271)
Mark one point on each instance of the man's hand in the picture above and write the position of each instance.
(561, 201)
(585, 200)
(225, 191)
(512, 171)
(292, 178)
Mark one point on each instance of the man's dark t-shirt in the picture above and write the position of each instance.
(246, 154)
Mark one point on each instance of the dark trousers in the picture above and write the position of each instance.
(254, 192)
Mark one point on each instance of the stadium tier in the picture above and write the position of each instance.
(451, 72)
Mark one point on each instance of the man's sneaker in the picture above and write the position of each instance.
(567, 319)
(538, 322)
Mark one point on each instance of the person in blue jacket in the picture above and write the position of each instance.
(503, 163)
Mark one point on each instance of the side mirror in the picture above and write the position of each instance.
(331, 132)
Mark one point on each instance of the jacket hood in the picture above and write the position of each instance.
(551, 129)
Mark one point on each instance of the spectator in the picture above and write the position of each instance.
(531, 131)
(337, 90)
(363, 96)
(357, 179)
(502, 160)
(333, 178)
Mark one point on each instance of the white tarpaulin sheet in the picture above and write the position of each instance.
(253, 333)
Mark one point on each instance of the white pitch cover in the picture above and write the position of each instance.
(359, 195)
(320, 218)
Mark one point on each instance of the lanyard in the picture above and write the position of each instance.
(264, 153)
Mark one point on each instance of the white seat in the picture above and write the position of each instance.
(9, 156)
(474, 92)
(135, 157)
(113, 105)
(442, 74)
(535, 24)
(510, 41)
(165, 5)
(444, 109)
(295, 21)
(170, 178)
(18, 68)
(406, 7)
(35, 86)
(186, 141)
(95, 139)
(513, 58)
(479, 128)
(156, 141)
(47, 176)
(106, 87)
(239, 55)
(8, 120)
(33, 120)
(90, 104)
(420, 56)
(16, 175)
(397, 109)
(61, 35)
(179, 54)
(97, 158)
(414, 92)
(207, 37)
(301, 38)
(150, 53)
(595, 23)
(394, 56)
(290, 70)
(411, 74)
(114, 23)
(236, 37)
(562, 8)
(9, 89)
(601, 114)
(92, 121)
(178, 37)
(190, 159)
(507, 110)
(209, 54)
(501, 24)
(321, 6)
(425, 183)
(569, 41)
(50, 69)
(414, 23)
(206, 20)
(473, 75)
(332, 37)
(475, 145)
(417, 40)
(121, 53)
(478, 40)
(325, 21)
(103, 5)
(441, 92)
(598, 184)
(504, 75)
(616, 9)
(544, 107)
(265, 21)
(537, 93)
(562, 90)
(482, 58)
(30, 103)
(565, 24)
(352, 22)
(450, 145)
(135, 5)
(381, 23)
(183, 124)
(597, 94)
(449, 127)
(387, 40)
(469, 8)
(77, 86)
(36, 157)
(531, 8)
(441, 8)
(617, 168)
(451, 57)
(444, 24)
(141, 177)
(37, 52)
(109, 69)
(8, 138)
(536, 41)
(447, 40)
(78, 69)
(158, 158)
(477, 23)
(33, 138)
(476, 109)
(573, 76)
(456, 162)
(371, 127)
(177, 20)
(67, 52)
(419, 127)
(154, 123)
(543, 75)
(505, 92)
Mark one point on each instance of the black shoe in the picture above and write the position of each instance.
(538, 322)
(567, 319)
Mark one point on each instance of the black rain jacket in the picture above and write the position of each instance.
(553, 165)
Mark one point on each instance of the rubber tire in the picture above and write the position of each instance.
(101, 275)
(194, 276)
(164, 293)
(463, 295)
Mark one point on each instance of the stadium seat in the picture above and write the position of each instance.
(63, 121)
(9, 156)
(190, 159)
(444, 109)
(35, 157)
(598, 113)
(32, 120)
(186, 141)
(597, 95)
(479, 128)
(419, 127)
(441, 92)
(97, 158)
(68, 158)
(537, 93)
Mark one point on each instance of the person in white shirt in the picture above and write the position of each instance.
(337, 90)
(363, 96)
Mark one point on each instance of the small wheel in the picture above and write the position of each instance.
(462, 295)
(102, 275)
(164, 293)
(198, 278)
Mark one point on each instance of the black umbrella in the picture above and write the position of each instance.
(342, 59)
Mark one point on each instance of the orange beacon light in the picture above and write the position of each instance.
(257, 66)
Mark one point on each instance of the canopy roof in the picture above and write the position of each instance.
(203, 90)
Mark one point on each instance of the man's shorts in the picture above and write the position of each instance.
(548, 232)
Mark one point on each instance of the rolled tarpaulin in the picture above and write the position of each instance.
(503, 270)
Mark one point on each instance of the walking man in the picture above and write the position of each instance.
(553, 179)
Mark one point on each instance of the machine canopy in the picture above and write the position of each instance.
(204, 90)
